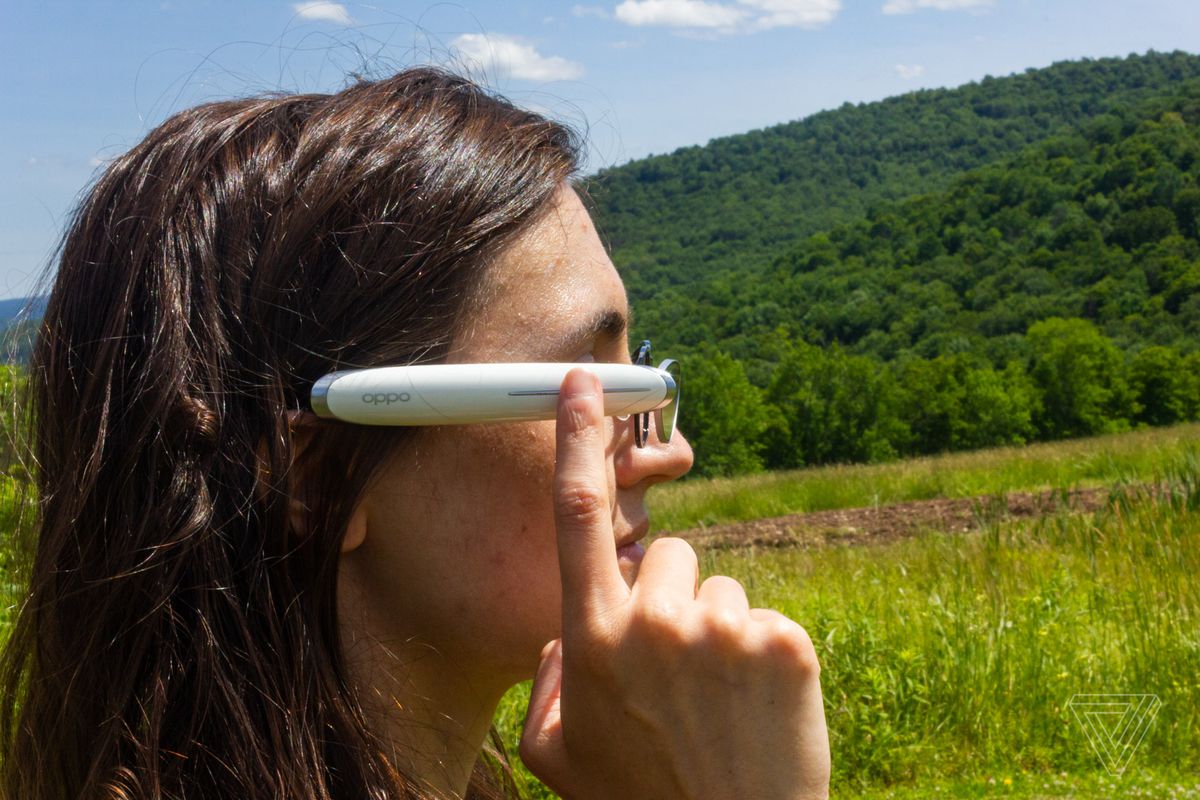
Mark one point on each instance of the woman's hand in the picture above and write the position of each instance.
(662, 691)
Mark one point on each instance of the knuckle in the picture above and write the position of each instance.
(657, 618)
(581, 502)
(726, 624)
(723, 583)
(787, 641)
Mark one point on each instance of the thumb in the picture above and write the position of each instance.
(542, 747)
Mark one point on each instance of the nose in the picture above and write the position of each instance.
(658, 461)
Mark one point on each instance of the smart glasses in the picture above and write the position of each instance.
(456, 394)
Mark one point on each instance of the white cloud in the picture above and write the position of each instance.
(909, 6)
(910, 71)
(678, 13)
(498, 54)
(31, 161)
(746, 16)
(589, 11)
(327, 12)
(793, 13)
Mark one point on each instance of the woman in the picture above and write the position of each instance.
(231, 597)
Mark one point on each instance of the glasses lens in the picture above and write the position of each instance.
(666, 416)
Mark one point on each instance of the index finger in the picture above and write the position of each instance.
(587, 553)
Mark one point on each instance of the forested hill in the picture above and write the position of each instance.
(1101, 224)
(1053, 293)
(740, 200)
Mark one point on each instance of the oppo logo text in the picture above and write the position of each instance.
(386, 398)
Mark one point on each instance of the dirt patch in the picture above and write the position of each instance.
(859, 526)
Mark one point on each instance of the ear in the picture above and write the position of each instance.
(356, 529)
(298, 512)
(296, 508)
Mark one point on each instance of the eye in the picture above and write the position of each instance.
(599, 352)
(604, 350)
(604, 354)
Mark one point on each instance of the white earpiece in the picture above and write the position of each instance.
(450, 394)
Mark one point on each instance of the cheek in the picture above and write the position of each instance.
(514, 534)
(518, 453)
(473, 564)
(511, 468)
(514, 595)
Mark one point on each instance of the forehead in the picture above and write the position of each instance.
(540, 289)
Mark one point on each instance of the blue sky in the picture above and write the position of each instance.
(83, 81)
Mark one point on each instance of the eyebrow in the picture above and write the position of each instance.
(611, 325)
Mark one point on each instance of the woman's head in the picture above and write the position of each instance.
(456, 540)
(182, 628)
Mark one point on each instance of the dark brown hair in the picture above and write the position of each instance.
(178, 639)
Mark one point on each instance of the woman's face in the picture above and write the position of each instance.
(459, 548)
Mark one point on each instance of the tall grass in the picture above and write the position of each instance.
(1074, 463)
(954, 653)
(950, 659)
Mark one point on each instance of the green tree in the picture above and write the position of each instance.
(1158, 381)
(954, 403)
(1080, 375)
(997, 408)
(836, 406)
(1143, 226)
(1190, 369)
(1187, 212)
(723, 416)
(930, 402)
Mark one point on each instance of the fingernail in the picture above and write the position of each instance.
(585, 385)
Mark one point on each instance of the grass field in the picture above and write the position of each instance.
(948, 660)
(1075, 463)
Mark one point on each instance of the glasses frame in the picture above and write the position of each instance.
(665, 418)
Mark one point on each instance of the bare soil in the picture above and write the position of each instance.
(885, 523)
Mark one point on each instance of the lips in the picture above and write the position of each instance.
(639, 531)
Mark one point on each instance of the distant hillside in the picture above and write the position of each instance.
(1053, 294)
(1103, 224)
(15, 337)
(10, 308)
(741, 200)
